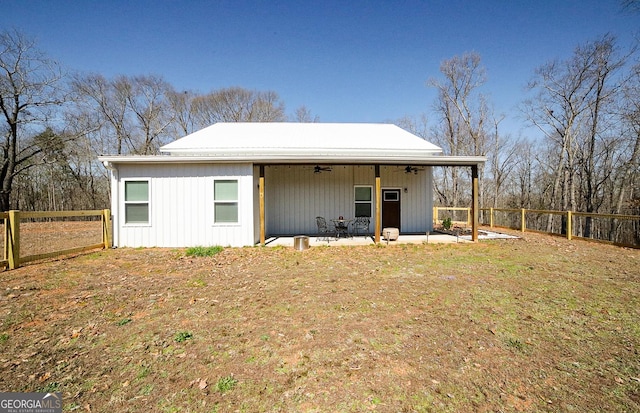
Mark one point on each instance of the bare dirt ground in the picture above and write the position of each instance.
(535, 324)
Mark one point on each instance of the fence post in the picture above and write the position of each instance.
(569, 225)
(5, 255)
(469, 217)
(106, 228)
(491, 217)
(523, 219)
(435, 216)
(12, 237)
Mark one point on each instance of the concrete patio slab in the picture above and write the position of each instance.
(431, 238)
(287, 241)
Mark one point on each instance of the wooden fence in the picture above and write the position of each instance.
(617, 229)
(14, 220)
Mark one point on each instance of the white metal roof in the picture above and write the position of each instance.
(296, 143)
(301, 139)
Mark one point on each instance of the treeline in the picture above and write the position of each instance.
(127, 115)
(55, 124)
(585, 107)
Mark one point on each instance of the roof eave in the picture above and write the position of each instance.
(402, 159)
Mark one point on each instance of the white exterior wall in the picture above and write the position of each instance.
(181, 206)
(416, 213)
(295, 195)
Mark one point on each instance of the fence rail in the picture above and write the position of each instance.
(618, 229)
(15, 220)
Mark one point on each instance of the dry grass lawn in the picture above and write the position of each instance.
(536, 324)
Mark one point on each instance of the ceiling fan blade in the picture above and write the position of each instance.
(317, 169)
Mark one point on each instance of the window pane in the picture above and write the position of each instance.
(363, 193)
(136, 213)
(226, 212)
(225, 190)
(136, 191)
(391, 196)
(363, 210)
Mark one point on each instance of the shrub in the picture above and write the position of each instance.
(183, 336)
(226, 384)
(203, 251)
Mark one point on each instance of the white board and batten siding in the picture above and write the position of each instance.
(181, 201)
(295, 196)
(181, 205)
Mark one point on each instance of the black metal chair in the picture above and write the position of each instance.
(361, 226)
(325, 233)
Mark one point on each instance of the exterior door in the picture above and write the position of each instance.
(391, 208)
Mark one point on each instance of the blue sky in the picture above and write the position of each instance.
(347, 61)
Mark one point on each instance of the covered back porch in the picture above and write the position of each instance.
(291, 195)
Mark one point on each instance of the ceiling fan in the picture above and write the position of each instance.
(319, 169)
(409, 169)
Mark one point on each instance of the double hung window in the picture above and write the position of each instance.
(136, 202)
(225, 201)
(363, 201)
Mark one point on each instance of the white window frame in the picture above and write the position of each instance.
(392, 191)
(125, 202)
(226, 201)
(356, 202)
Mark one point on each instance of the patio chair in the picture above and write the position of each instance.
(325, 233)
(361, 226)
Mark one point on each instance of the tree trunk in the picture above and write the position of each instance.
(4, 201)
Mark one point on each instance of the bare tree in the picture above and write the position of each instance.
(524, 175)
(30, 88)
(502, 156)
(103, 103)
(66, 176)
(571, 107)
(267, 107)
(135, 112)
(418, 126)
(630, 5)
(463, 114)
(303, 114)
(181, 104)
(148, 101)
(625, 197)
(237, 105)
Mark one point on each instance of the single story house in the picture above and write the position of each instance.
(237, 184)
